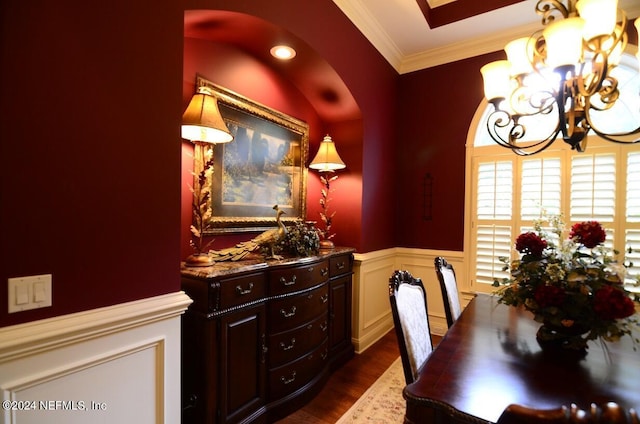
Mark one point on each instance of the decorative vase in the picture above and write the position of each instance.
(564, 340)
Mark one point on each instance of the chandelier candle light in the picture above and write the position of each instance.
(203, 125)
(564, 70)
(327, 161)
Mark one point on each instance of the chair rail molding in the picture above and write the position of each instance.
(119, 363)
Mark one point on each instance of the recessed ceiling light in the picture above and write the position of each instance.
(283, 52)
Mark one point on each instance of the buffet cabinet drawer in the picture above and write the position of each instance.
(289, 345)
(289, 378)
(289, 312)
(287, 280)
(239, 290)
(339, 265)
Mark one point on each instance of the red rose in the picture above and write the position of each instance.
(610, 303)
(589, 233)
(549, 296)
(530, 243)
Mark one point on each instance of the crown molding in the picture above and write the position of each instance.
(369, 26)
(463, 50)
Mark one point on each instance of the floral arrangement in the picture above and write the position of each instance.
(574, 288)
(301, 240)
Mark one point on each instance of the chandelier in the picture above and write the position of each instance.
(564, 71)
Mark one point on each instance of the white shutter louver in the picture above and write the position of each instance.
(493, 234)
(633, 188)
(593, 187)
(540, 187)
(492, 242)
(495, 190)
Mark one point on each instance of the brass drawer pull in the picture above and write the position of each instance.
(290, 380)
(324, 298)
(324, 271)
(288, 314)
(288, 283)
(324, 326)
(284, 347)
(241, 292)
(341, 265)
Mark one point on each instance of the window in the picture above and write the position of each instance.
(506, 192)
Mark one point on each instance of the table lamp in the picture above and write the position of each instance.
(326, 162)
(202, 124)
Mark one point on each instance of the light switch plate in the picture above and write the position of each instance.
(30, 292)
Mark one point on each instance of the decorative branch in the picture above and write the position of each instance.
(201, 196)
(324, 203)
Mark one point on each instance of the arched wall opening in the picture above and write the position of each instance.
(231, 49)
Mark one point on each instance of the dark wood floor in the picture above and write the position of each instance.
(348, 383)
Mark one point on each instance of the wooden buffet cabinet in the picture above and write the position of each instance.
(261, 338)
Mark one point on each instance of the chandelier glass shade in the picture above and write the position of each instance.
(566, 71)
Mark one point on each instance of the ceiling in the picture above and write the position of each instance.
(410, 34)
(400, 32)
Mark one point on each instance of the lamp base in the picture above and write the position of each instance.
(199, 259)
(326, 245)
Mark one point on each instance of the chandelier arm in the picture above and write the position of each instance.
(593, 82)
(551, 9)
(622, 137)
(538, 146)
(500, 119)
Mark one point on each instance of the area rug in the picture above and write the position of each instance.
(382, 403)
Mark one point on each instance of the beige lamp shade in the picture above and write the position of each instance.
(202, 120)
(520, 54)
(327, 158)
(564, 42)
(599, 17)
(496, 77)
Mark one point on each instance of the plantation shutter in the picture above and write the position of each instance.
(494, 207)
(632, 215)
(593, 188)
(541, 187)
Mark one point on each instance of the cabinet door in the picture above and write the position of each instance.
(242, 363)
(340, 314)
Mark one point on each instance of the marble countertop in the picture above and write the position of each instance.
(254, 262)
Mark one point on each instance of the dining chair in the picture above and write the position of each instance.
(409, 309)
(449, 288)
(609, 413)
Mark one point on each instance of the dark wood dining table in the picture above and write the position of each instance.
(490, 358)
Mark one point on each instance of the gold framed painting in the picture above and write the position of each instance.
(263, 166)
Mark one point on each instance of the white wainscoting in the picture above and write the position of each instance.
(371, 309)
(119, 364)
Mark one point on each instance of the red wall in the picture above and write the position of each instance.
(92, 175)
(436, 106)
(90, 150)
(92, 96)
